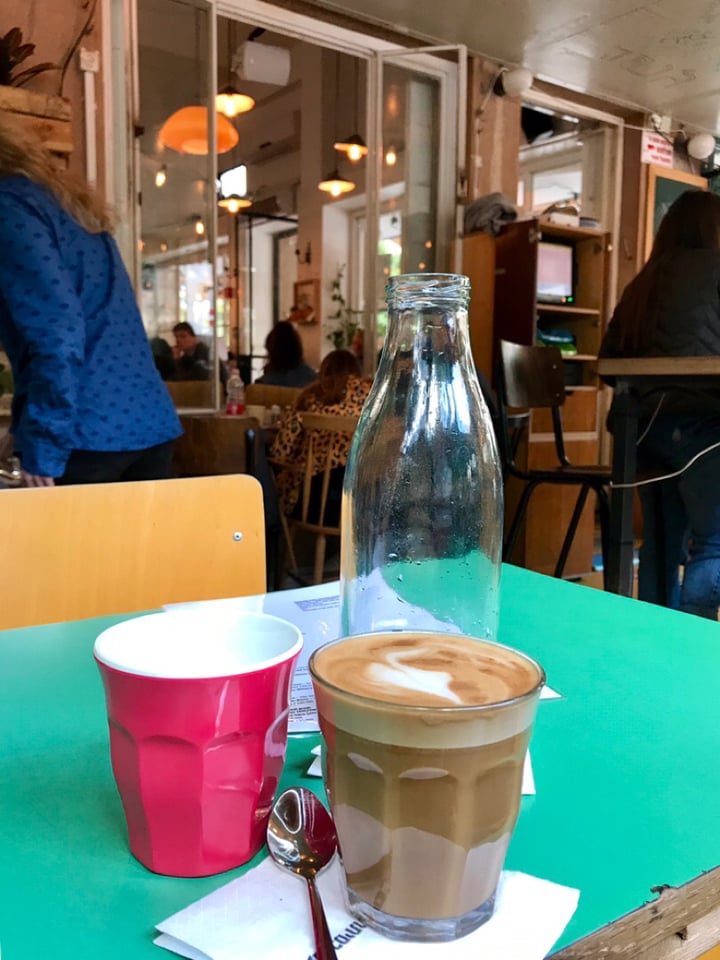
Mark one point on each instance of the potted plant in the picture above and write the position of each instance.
(344, 319)
(48, 115)
(13, 54)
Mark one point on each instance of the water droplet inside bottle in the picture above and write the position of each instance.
(400, 577)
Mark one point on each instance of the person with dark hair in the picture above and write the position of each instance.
(672, 309)
(192, 356)
(88, 405)
(341, 390)
(285, 366)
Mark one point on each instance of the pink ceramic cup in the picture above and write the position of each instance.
(197, 708)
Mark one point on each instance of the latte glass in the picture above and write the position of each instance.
(425, 739)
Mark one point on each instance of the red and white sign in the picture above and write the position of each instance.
(656, 149)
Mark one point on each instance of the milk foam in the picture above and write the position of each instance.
(396, 673)
(425, 690)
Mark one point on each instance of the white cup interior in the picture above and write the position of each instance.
(197, 644)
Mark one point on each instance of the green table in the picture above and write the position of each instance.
(626, 769)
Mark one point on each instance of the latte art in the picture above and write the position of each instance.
(432, 670)
(399, 673)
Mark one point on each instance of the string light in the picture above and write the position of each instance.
(391, 157)
(161, 176)
(199, 226)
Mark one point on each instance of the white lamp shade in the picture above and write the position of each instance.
(262, 63)
(701, 146)
(517, 82)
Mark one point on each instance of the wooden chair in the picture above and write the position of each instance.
(71, 552)
(214, 444)
(266, 395)
(316, 524)
(531, 378)
(190, 393)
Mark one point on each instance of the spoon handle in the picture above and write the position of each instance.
(323, 941)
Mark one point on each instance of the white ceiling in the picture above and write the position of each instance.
(660, 55)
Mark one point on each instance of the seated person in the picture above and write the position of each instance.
(192, 356)
(341, 390)
(286, 366)
(672, 309)
(163, 357)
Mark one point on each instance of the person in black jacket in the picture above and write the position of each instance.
(672, 309)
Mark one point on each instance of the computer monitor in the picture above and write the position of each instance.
(555, 273)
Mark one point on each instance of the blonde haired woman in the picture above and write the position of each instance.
(88, 405)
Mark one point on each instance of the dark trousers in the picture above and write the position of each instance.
(98, 466)
(691, 509)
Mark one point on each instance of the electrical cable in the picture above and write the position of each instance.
(667, 476)
(652, 421)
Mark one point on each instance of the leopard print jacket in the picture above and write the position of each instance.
(291, 445)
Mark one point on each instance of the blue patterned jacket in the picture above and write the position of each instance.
(84, 375)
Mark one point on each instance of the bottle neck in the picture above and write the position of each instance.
(427, 326)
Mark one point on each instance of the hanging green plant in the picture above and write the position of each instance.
(14, 53)
(345, 320)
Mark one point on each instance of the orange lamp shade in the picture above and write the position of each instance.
(186, 131)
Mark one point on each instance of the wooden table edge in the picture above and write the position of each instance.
(658, 366)
(688, 916)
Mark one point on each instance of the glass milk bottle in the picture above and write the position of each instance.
(423, 499)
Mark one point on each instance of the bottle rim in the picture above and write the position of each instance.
(428, 286)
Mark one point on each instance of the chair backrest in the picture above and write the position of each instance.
(317, 427)
(266, 395)
(190, 393)
(213, 445)
(529, 377)
(71, 552)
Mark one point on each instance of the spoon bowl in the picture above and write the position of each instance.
(301, 838)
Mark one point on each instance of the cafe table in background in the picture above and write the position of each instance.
(625, 768)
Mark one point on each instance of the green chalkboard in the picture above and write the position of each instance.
(664, 187)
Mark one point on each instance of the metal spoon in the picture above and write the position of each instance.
(301, 837)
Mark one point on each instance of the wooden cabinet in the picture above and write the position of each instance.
(510, 310)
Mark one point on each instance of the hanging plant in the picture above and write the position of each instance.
(345, 321)
(14, 53)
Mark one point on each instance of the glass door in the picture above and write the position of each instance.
(401, 211)
(417, 140)
(176, 175)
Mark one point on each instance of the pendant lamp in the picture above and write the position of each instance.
(234, 203)
(186, 131)
(230, 102)
(354, 146)
(336, 185)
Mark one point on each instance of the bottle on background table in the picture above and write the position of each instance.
(235, 393)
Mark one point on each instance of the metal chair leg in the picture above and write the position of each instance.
(604, 512)
(512, 537)
(570, 535)
(320, 543)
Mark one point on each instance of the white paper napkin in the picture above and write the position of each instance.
(265, 914)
